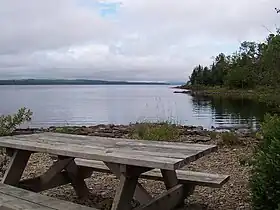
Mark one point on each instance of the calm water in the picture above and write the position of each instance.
(88, 105)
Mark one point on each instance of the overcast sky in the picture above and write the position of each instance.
(128, 39)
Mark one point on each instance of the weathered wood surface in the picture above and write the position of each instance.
(16, 167)
(124, 193)
(184, 176)
(77, 180)
(167, 200)
(13, 198)
(140, 193)
(162, 155)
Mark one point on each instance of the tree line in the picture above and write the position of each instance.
(254, 64)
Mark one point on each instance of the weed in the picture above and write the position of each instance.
(156, 131)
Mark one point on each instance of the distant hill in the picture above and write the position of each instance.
(74, 82)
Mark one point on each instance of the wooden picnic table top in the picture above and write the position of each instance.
(142, 153)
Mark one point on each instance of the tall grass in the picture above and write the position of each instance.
(159, 131)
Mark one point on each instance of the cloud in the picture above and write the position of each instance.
(126, 39)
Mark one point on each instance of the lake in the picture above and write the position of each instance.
(123, 104)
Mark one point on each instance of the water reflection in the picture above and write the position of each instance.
(230, 111)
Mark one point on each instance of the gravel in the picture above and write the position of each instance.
(233, 195)
(230, 160)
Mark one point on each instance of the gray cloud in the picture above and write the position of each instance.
(157, 39)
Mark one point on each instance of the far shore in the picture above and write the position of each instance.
(266, 95)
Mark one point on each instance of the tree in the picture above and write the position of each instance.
(10, 122)
(253, 64)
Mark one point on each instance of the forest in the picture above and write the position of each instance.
(252, 65)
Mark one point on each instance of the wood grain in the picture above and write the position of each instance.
(167, 200)
(184, 176)
(16, 198)
(16, 167)
(162, 155)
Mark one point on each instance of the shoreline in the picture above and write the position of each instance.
(266, 95)
(120, 129)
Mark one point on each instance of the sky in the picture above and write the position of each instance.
(136, 40)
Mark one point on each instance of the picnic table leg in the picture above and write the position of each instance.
(16, 167)
(140, 194)
(77, 180)
(172, 198)
(171, 180)
(124, 193)
(128, 176)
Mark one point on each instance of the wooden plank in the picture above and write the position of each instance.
(35, 184)
(192, 177)
(170, 178)
(167, 200)
(28, 200)
(16, 167)
(56, 168)
(83, 152)
(184, 176)
(8, 202)
(136, 149)
(77, 180)
(140, 193)
(115, 142)
(10, 152)
(124, 193)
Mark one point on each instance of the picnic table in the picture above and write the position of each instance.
(128, 159)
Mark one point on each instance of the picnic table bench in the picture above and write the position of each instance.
(78, 156)
(13, 198)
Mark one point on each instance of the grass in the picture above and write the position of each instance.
(67, 129)
(213, 135)
(229, 139)
(246, 160)
(161, 131)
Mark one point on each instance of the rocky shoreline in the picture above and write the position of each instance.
(123, 131)
(232, 159)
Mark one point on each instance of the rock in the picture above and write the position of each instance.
(87, 130)
(185, 91)
(244, 132)
(199, 132)
(202, 139)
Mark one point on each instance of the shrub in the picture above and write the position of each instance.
(265, 179)
(230, 139)
(156, 131)
(66, 129)
(246, 160)
(213, 135)
(10, 122)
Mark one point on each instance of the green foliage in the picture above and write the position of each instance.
(246, 160)
(265, 179)
(253, 64)
(230, 139)
(213, 135)
(164, 131)
(67, 129)
(10, 122)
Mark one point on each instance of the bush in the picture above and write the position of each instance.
(10, 122)
(156, 131)
(265, 179)
(230, 139)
